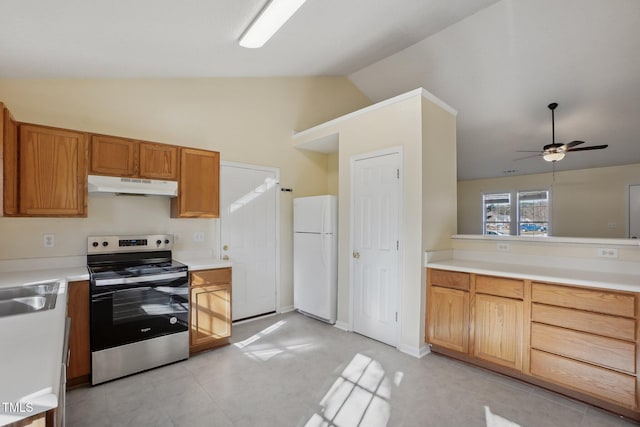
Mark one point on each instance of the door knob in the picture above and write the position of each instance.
(356, 255)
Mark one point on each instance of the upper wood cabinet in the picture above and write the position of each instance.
(9, 153)
(199, 185)
(45, 172)
(113, 156)
(125, 157)
(158, 161)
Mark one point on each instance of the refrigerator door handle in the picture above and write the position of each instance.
(322, 250)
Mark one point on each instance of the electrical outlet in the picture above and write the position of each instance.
(48, 240)
(198, 236)
(608, 252)
(612, 225)
(503, 247)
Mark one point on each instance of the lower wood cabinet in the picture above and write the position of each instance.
(210, 320)
(79, 367)
(448, 318)
(498, 330)
(576, 340)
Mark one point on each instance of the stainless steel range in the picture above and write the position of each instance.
(139, 305)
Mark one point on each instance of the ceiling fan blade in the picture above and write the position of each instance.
(528, 151)
(528, 157)
(592, 147)
(573, 144)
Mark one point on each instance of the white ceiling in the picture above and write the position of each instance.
(501, 67)
(498, 63)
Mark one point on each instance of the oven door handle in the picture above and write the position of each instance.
(140, 279)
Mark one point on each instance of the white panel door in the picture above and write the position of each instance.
(375, 258)
(248, 237)
(634, 211)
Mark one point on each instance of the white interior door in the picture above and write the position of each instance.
(375, 258)
(248, 236)
(634, 211)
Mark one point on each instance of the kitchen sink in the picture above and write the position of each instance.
(28, 299)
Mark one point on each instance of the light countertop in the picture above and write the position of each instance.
(551, 272)
(31, 356)
(203, 263)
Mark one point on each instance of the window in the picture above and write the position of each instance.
(528, 216)
(533, 213)
(497, 213)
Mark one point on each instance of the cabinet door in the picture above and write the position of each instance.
(113, 156)
(499, 330)
(9, 148)
(80, 353)
(53, 171)
(199, 188)
(448, 318)
(158, 161)
(210, 314)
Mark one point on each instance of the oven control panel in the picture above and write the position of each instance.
(111, 244)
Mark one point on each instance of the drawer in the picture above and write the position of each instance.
(500, 286)
(205, 277)
(599, 301)
(586, 321)
(449, 279)
(589, 348)
(593, 380)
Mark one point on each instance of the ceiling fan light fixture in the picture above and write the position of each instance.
(269, 20)
(553, 157)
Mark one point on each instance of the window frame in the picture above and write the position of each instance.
(514, 210)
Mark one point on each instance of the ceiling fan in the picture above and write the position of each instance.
(555, 151)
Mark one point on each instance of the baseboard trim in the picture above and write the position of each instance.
(286, 309)
(418, 352)
(342, 326)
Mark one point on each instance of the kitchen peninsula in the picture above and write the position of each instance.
(550, 311)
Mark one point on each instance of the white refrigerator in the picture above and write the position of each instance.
(315, 256)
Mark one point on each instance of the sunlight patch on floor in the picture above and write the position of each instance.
(494, 420)
(268, 353)
(358, 397)
(262, 333)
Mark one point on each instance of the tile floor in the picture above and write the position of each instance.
(290, 370)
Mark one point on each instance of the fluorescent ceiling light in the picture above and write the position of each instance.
(270, 19)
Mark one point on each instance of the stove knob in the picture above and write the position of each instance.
(105, 244)
(94, 244)
(166, 242)
(158, 242)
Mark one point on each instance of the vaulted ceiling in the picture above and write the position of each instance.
(499, 63)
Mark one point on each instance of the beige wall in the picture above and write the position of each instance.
(248, 120)
(583, 202)
(412, 125)
(439, 189)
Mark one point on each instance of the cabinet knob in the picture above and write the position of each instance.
(225, 247)
(356, 255)
(225, 257)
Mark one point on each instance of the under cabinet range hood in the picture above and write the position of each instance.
(134, 186)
